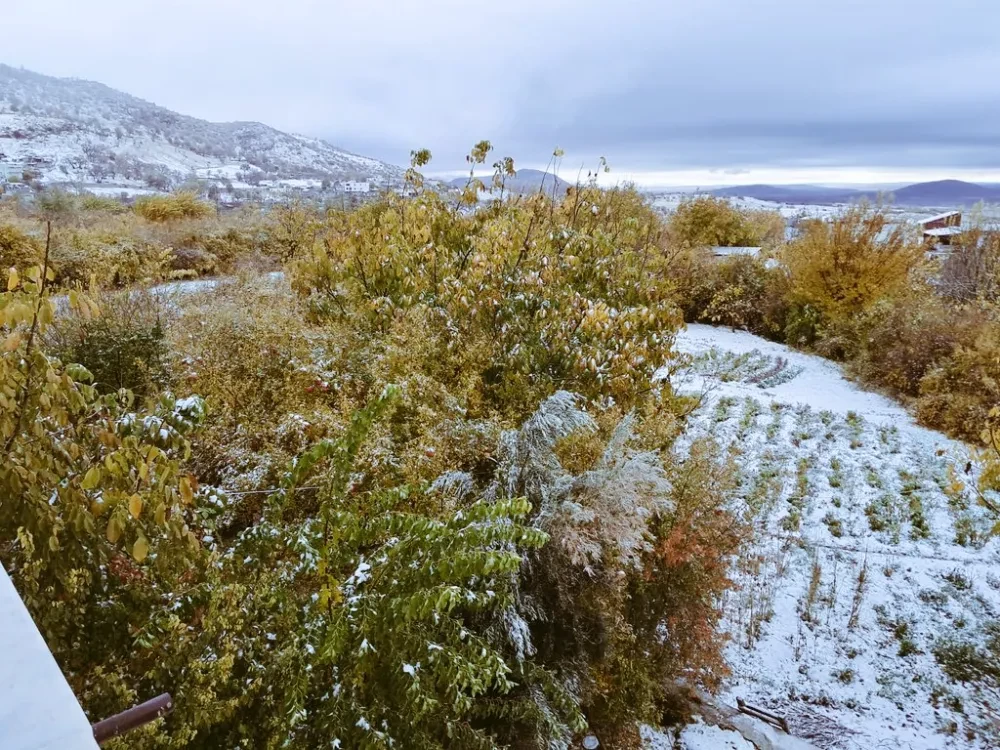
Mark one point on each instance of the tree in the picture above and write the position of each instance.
(843, 267)
(709, 222)
(97, 519)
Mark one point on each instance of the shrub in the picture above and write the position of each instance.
(957, 395)
(123, 347)
(520, 299)
(972, 268)
(633, 540)
(843, 267)
(164, 208)
(898, 341)
(98, 203)
(707, 222)
(109, 259)
(17, 249)
(394, 622)
(740, 292)
(98, 519)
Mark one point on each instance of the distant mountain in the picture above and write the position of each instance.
(946, 193)
(938, 193)
(526, 181)
(69, 130)
(789, 193)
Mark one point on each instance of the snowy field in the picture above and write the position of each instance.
(666, 203)
(869, 552)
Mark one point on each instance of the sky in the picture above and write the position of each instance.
(700, 92)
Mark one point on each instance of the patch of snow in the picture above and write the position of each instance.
(868, 550)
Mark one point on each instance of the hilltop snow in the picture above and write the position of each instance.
(69, 130)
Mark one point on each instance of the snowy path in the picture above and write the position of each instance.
(869, 551)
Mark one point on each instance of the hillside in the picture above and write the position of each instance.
(789, 193)
(70, 130)
(526, 181)
(937, 193)
(945, 192)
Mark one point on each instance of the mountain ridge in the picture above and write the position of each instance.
(74, 130)
(925, 194)
(525, 181)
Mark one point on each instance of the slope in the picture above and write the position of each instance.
(72, 130)
(870, 555)
(526, 181)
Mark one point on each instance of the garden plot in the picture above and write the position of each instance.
(871, 576)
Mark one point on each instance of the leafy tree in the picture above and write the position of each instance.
(709, 222)
(98, 519)
(843, 267)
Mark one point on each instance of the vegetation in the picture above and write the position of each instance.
(855, 289)
(431, 490)
(429, 498)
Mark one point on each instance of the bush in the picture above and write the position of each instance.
(17, 249)
(740, 292)
(97, 524)
(123, 347)
(898, 341)
(164, 208)
(957, 395)
(972, 268)
(109, 259)
(707, 222)
(475, 556)
(515, 301)
(98, 203)
(843, 267)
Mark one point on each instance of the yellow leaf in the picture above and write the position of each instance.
(140, 549)
(187, 494)
(160, 515)
(135, 506)
(114, 530)
(91, 478)
(12, 342)
(12, 279)
(143, 472)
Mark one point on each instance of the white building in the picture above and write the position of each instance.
(350, 186)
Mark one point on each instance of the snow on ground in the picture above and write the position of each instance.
(869, 552)
(696, 736)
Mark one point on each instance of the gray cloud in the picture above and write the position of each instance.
(651, 84)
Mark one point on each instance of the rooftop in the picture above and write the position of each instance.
(943, 232)
(939, 217)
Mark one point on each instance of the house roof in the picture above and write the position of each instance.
(942, 232)
(38, 710)
(939, 217)
(735, 250)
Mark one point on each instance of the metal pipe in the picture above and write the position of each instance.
(135, 717)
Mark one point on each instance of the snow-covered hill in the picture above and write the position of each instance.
(871, 557)
(68, 130)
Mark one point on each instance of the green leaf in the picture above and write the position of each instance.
(92, 478)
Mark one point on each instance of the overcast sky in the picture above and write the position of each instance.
(692, 92)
